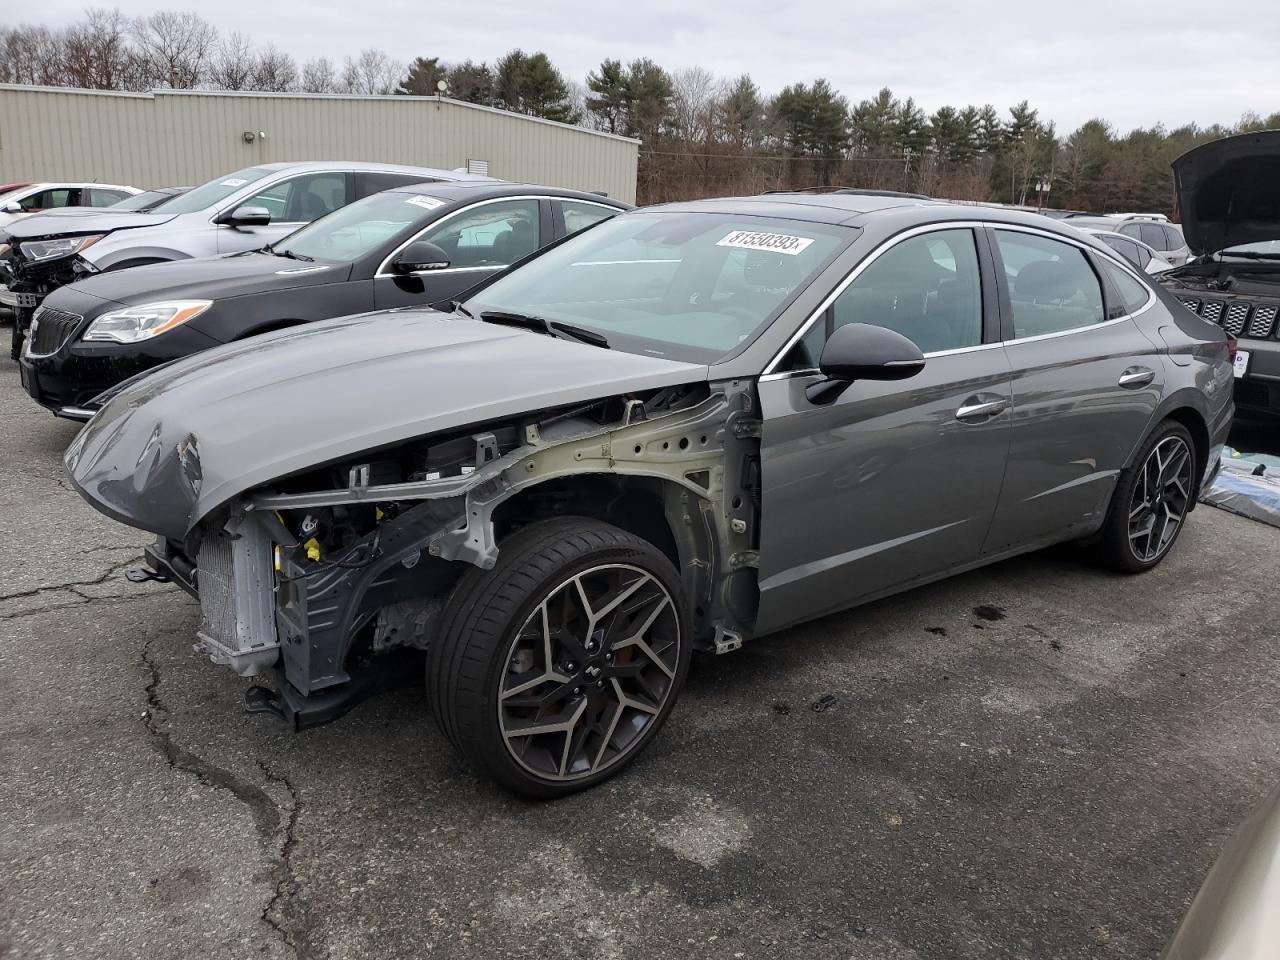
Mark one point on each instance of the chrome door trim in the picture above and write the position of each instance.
(383, 273)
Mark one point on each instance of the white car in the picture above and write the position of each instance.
(1135, 251)
(39, 197)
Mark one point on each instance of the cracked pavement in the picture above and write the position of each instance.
(1038, 759)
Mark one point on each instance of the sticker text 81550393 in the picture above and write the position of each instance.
(769, 242)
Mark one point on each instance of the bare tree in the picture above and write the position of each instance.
(318, 76)
(373, 72)
(97, 54)
(175, 48)
(34, 55)
(232, 64)
(275, 71)
(696, 94)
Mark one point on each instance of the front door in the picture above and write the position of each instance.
(894, 482)
(293, 203)
(480, 240)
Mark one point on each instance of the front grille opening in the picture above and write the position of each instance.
(52, 328)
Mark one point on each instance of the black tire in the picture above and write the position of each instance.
(1117, 547)
(493, 625)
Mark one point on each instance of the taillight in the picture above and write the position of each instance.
(1232, 343)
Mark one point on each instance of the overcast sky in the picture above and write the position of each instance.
(1134, 63)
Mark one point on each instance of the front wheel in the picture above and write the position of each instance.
(556, 668)
(1151, 501)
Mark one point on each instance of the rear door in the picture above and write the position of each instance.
(893, 482)
(481, 239)
(1086, 383)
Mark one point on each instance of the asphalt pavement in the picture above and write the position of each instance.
(1039, 759)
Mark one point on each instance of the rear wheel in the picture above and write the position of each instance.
(1151, 501)
(556, 668)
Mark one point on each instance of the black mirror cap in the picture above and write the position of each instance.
(246, 217)
(419, 257)
(861, 351)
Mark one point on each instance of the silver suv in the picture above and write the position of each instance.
(244, 210)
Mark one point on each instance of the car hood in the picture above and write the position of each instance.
(54, 223)
(211, 278)
(259, 409)
(1229, 191)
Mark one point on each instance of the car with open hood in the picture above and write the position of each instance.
(240, 211)
(413, 245)
(1229, 199)
(686, 427)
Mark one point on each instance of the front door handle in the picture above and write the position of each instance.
(977, 409)
(1135, 377)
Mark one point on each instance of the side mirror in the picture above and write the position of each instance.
(421, 256)
(13, 206)
(246, 217)
(860, 351)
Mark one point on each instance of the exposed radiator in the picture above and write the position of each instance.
(237, 602)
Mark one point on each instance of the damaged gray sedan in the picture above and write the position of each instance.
(679, 430)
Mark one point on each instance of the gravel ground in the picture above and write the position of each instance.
(1034, 760)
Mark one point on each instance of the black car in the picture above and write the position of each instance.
(1229, 198)
(412, 246)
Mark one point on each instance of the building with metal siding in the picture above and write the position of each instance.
(172, 137)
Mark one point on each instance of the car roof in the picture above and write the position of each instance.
(836, 208)
(470, 190)
(57, 184)
(371, 167)
(856, 210)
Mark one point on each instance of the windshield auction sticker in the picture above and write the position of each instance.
(772, 242)
(419, 200)
(233, 182)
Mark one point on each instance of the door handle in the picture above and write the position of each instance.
(975, 409)
(1135, 377)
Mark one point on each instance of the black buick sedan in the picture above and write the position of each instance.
(412, 246)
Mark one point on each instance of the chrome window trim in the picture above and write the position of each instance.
(379, 274)
(856, 272)
(1113, 258)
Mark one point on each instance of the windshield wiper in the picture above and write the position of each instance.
(292, 256)
(543, 325)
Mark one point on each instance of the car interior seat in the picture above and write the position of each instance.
(1046, 297)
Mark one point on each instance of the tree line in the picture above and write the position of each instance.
(701, 135)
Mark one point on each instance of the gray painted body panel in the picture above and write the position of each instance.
(265, 407)
(879, 491)
(1074, 429)
(881, 487)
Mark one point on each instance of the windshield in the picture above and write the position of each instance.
(355, 230)
(138, 201)
(691, 286)
(215, 190)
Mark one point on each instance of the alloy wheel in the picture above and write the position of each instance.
(1160, 499)
(589, 672)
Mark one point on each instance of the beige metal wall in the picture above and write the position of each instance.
(171, 137)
